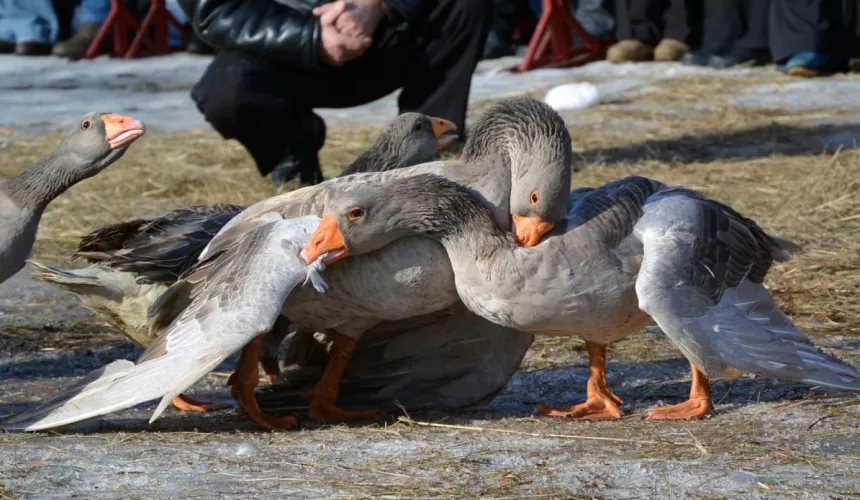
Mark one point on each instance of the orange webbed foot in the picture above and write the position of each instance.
(594, 408)
(692, 409)
(248, 401)
(187, 403)
(242, 383)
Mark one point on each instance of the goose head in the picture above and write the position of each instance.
(533, 140)
(95, 141)
(369, 215)
(410, 139)
(416, 136)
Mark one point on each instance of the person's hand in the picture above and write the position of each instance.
(336, 49)
(359, 17)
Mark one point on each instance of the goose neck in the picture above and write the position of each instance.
(41, 182)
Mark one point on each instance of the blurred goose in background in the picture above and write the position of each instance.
(93, 143)
(626, 253)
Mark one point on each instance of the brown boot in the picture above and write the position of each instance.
(629, 51)
(670, 50)
(77, 45)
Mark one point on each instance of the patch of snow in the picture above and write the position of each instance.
(572, 96)
(805, 95)
(42, 93)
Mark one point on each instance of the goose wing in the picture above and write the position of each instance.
(156, 249)
(701, 280)
(232, 297)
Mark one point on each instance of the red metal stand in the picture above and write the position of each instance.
(556, 25)
(151, 34)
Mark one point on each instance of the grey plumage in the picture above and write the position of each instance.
(628, 248)
(444, 360)
(409, 278)
(197, 340)
(88, 147)
(134, 261)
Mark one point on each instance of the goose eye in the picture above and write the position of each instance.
(419, 126)
(86, 124)
(534, 198)
(355, 214)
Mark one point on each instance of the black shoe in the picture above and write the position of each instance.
(702, 56)
(32, 49)
(305, 162)
(306, 166)
(695, 58)
(738, 56)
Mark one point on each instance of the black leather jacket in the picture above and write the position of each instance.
(284, 30)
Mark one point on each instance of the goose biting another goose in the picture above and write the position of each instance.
(627, 252)
(518, 147)
(93, 143)
(133, 262)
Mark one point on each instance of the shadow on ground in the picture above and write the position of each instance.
(753, 143)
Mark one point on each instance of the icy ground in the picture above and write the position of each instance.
(38, 93)
(767, 439)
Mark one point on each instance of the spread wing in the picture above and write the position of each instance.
(234, 296)
(701, 281)
(156, 249)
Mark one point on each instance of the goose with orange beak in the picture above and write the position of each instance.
(95, 141)
(520, 145)
(134, 261)
(631, 252)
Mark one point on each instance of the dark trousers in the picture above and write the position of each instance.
(268, 106)
(736, 23)
(649, 21)
(831, 27)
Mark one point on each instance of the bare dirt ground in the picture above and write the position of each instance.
(780, 150)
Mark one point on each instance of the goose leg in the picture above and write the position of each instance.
(245, 379)
(269, 348)
(695, 408)
(271, 367)
(600, 402)
(324, 395)
(187, 403)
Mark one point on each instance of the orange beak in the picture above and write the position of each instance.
(441, 127)
(327, 239)
(120, 131)
(529, 230)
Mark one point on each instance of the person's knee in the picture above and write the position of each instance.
(218, 92)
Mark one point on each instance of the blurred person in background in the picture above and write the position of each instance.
(595, 16)
(734, 32)
(277, 61)
(658, 30)
(809, 38)
(92, 13)
(27, 27)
